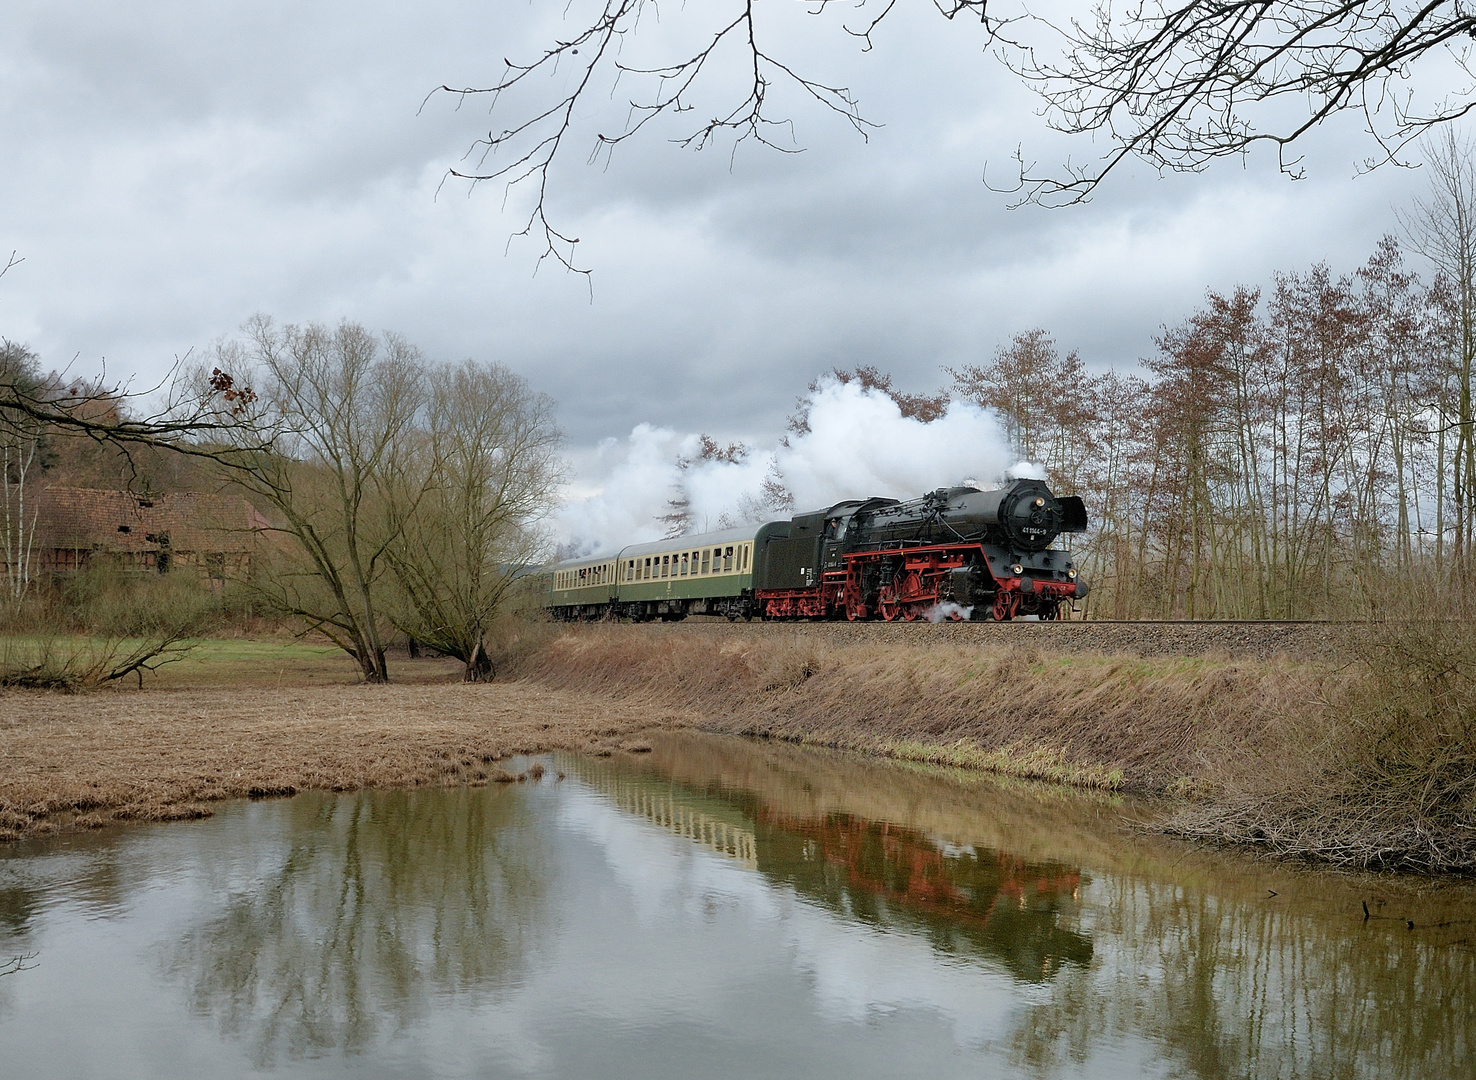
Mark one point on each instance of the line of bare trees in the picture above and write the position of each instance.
(1304, 451)
(399, 496)
(407, 496)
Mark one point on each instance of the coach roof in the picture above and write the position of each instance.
(693, 540)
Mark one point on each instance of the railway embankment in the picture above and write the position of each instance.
(1353, 744)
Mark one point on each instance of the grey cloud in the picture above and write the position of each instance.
(174, 168)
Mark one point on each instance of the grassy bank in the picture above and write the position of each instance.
(260, 718)
(1095, 720)
(1368, 759)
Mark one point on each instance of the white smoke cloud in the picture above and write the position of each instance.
(859, 445)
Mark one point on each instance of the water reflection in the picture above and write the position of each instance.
(1222, 966)
(985, 903)
(965, 901)
(377, 903)
(719, 907)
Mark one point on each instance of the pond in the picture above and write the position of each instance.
(717, 908)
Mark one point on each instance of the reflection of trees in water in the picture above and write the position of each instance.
(1229, 989)
(1186, 949)
(972, 902)
(379, 902)
(19, 905)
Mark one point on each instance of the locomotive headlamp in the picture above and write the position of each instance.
(1039, 502)
(1017, 569)
(1071, 573)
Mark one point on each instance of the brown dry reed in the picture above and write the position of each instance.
(1097, 720)
(102, 625)
(1381, 776)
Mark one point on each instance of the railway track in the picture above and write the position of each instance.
(1310, 639)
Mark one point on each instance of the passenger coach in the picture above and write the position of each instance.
(704, 574)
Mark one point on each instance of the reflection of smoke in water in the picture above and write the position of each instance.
(947, 609)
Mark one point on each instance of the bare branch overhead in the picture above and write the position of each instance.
(1175, 83)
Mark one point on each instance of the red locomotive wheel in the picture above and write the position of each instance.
(1004, 606)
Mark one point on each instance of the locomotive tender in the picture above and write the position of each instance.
(957, 551)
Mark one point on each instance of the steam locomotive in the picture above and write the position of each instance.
(956, 552)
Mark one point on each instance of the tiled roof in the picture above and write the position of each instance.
(89, 519)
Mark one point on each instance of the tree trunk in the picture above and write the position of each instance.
(478, 665)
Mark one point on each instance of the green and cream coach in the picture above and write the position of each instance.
(703, 574)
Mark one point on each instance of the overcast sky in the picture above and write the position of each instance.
(168, 169)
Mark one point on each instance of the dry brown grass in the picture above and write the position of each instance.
(86, 760)
(1149, 724)
(1383, 776)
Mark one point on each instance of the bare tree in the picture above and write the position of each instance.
(1442, 227)
(20, 445)
(1175, 83)
(1180, 83)
(469, 498)
(923, 407)
(318, 448)
(679, 518)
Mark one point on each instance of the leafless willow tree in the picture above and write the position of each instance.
(1175, 83)
(317, 443)
(404, 495)
(469, 498)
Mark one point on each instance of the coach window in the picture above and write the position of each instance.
(706, 560)
(728, 558)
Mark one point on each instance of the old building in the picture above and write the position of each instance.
(77, 527)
